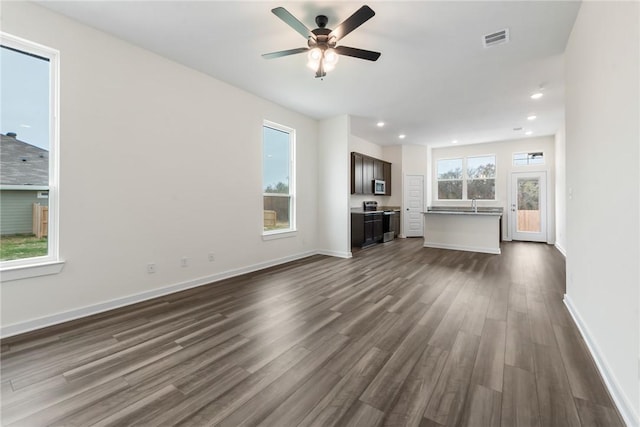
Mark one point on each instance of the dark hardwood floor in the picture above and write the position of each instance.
(399, 335)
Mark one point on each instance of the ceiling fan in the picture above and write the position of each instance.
(322, 50)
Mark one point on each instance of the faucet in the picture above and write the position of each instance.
(474, 205)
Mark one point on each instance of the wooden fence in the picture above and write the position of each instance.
(270, 219)
(529, 221)
(40, 220)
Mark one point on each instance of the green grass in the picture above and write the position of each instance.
(22, 246)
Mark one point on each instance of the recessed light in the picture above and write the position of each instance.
(455, 141)
(532, 117)
(380, 124)
(536, 95)
(528, 132)
(402, 136)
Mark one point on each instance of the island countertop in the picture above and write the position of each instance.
(464, 210)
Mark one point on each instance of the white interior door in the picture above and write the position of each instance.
(413, 205)
(528, 212)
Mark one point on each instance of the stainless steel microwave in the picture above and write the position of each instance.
(379, 186)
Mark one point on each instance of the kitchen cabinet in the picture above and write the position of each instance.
(378, 228)
(367, 175)
(378, 169)
(386, 175)
(364, 170)
(395, 224)
(366, 229)
(357, 170)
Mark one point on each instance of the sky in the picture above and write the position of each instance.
(24, 97)
(275, 157)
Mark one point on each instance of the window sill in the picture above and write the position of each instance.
(280, 235)
(32, 270)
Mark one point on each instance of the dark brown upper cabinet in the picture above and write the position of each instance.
(378, 168)
(367, 175)
(357, 170)
(386, 175)
(364, 170)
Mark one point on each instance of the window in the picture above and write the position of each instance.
(524, 159)
(467, 178)
(28, 156)
(481, 178)
(450, 179)
(278, 178)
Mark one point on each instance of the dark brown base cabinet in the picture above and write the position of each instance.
(364, 170)
(366, 229)
(395, 224)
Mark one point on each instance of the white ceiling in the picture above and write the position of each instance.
(434, 82)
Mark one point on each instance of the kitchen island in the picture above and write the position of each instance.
(463, 229)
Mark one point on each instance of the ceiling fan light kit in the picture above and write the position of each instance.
(322, 52)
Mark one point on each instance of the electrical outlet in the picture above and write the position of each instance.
(151, 268)
(212, 257)
(184, 262)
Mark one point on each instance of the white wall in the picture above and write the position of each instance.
(363, 146)
(334, 222)
(561, 191)
(602, 155)
(393, 155)
(504, 151)
(414, 160)
(158, 162)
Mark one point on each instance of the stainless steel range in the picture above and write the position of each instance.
(369, 205)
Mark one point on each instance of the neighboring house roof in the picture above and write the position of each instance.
(22, 163)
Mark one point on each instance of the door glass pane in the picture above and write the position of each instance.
(528, 205)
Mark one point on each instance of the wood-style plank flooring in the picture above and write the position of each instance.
(400, 335)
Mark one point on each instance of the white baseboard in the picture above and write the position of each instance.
(337, 254)
(54, 319)
(561, 249)
(631, 418)
(463, 248)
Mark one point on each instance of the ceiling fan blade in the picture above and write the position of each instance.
(369, 55)
(360, 16)
(284, 53)
(293, 22)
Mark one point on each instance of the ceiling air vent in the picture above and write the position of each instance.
(498, 37)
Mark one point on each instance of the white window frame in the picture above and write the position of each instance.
(462, 178)
(51, 263)
(465, 178)
(528, 165)
(292, 230)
